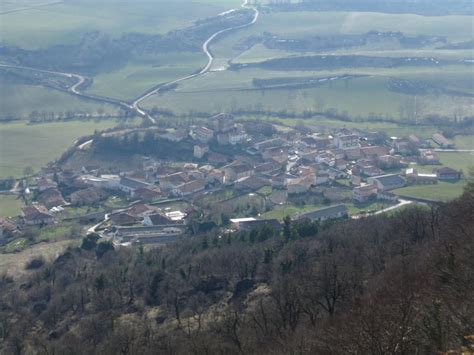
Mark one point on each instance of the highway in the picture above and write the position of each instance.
(206, 50)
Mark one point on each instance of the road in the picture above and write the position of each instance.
(207, 52)
(75, 88)
(385, 210)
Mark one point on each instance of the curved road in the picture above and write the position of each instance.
(206, 50)
(135, 106)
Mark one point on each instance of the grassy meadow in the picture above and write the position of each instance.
(10, 205)
(18, 101)
(358, 97)
(23, 145)
(442, 191)
(136, 78)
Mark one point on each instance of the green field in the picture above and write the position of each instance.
(464, 142)
(23, 145)
(18, 101)
(135, 79)
(66, 22)
(458, 161)
(300, 24)
(10, 206)
(360, 97)
(443, 191)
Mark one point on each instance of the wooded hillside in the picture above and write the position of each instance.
(400, 284)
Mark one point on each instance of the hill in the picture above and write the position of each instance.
(399, 284)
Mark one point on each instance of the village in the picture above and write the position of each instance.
(243, 175)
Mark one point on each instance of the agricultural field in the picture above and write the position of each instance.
(18, 101)
(23, 145)
(358, 97)
(136, 78)
(443, 191)
(66, 22)
(10, 206)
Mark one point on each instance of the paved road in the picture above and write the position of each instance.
(206, 50)
(75, 88)
(385, 210)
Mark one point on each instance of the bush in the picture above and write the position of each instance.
(34, 263)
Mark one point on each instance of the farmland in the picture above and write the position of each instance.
(10, 205)
(19, 101)
(134, 79)
(66, 22)
(23, 145)
(443, 191)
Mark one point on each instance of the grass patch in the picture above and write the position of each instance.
(18, 101)
(443, 191)
(10, 206)
(23, 145)
(464, 142)
(458, 161)
(134, 79)
(280, 212)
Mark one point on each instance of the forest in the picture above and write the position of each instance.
(394, 284)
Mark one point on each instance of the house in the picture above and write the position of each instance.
(387, 182)
(447, 174)
(374, 152)
(176, 135)
(364, 193)
(200, 150)
(191, 187)
(442, 141)
(300, 185)
(403, 146)
(110, 182)
(202, 134)
(141, 210)
(173, 181)
(353, 153)
(389, 161)
(270, 143)
(36, 215)
(276, 154)
(157, 219)
(252, 183)
(222, 122)
(88, 196)
(147, 194)
(346, 141)
(428, 157)
(45, 184)
(236, 171)
(51, 198)
(233, 137)
(322, 178)
(323, 214)
(369, 170)
(129, 185)
(123, 219)
(249, 224)
(414, 140)
(415, 178)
